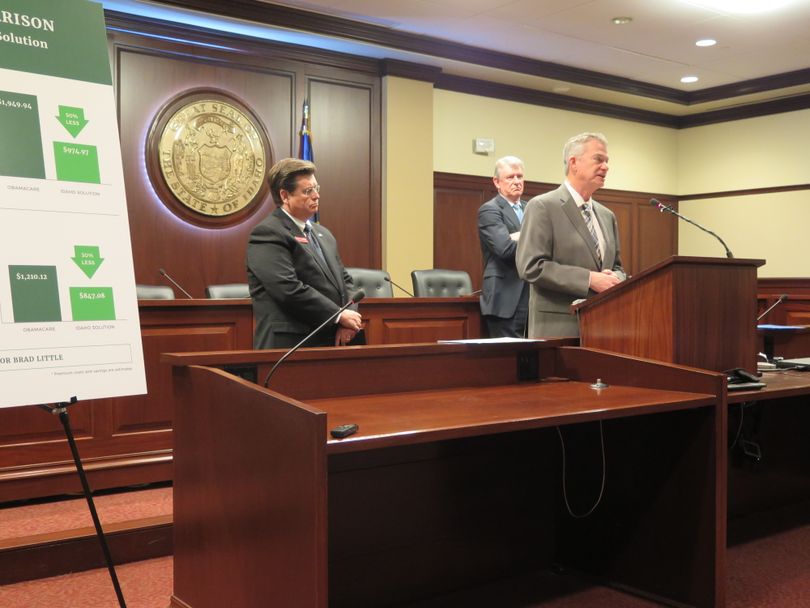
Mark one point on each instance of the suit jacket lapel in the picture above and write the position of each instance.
(329, 264)
(575, 215)
(509, 214)
(310, 248)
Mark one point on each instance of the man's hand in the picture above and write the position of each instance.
(350, 319)
(344, 336)
(515, 236)
(600, 281)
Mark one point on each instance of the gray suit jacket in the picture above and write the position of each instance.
(502, 286)
(292, 288)
(556, 255)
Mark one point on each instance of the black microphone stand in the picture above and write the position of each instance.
(60, 409)
(662, 207)
(399, 287)
(359, 295)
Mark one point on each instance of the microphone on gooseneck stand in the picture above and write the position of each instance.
(399, 287)
(781, 299)
(356, 297)
(662, 207)
(175, 283)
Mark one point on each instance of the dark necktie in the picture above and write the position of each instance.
(586, 212)
(314, 241)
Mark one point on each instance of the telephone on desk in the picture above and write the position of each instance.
(741, 380)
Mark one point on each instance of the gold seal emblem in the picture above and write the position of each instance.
(212, 157)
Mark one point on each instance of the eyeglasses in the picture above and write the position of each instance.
(309, 191)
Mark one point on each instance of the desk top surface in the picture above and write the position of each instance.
(433, 415)
(779, 384)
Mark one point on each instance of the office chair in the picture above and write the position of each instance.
(441, 283)
(227, 290)
(375, 283)
(154, 292)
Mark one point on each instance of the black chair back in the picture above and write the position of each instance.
(154, 292)
(372, 281)
(441, 283)
(227, 291)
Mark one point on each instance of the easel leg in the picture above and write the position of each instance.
(61, 410)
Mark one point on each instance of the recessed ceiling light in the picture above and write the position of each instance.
(689, 79)
(621, 20)
(706, 42)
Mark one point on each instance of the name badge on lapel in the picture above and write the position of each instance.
(302, 239)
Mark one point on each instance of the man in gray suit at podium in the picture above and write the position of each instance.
(569, 243)
(504, 296)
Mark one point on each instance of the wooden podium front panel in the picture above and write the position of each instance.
(715, 331)
(611, 329)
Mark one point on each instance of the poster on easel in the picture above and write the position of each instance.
(69, 321)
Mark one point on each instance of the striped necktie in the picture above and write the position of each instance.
(586, 213)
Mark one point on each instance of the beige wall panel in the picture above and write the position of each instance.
(762, 152)
(407, 178)
(773, 227)
(642, 157)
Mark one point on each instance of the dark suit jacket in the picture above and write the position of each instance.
(556, 255)
(502, 286)
(293, 290)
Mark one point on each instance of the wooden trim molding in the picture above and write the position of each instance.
(747, 192)
(302, 20)
(483, 88)
(275, 15)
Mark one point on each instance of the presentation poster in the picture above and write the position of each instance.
(68, 309)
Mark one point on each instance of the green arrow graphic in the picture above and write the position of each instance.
(88, 259)
(72, 119)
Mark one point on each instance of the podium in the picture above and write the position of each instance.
(453, 480)
(692, 311)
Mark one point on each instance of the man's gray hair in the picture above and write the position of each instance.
(575, 146)
(507, 161)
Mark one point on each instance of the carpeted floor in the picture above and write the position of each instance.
(772, 572)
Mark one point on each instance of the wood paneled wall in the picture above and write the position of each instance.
(344, 95)
(646, 235)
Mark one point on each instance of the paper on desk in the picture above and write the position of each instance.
(490, 340)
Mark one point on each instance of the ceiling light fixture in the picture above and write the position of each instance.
(621, 20)
(706, 42)
(689, 79)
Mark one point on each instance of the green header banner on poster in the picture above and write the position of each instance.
(55, 38)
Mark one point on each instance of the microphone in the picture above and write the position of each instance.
(400, 288)
(781, 299)
(662, 207)
(356, 297)
(175, 283)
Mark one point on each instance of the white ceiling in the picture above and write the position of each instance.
(657, 47)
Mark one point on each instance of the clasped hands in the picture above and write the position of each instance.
(600, 281)
(350, 322)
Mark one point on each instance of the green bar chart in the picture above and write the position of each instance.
(34, 294)
(21, 152)
(92, 303)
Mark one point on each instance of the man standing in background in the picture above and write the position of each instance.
(569, 245)
(504, 296)
(296, 277)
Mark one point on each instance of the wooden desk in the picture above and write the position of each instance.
(772, 492)
(128, 440)
(453, 479)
